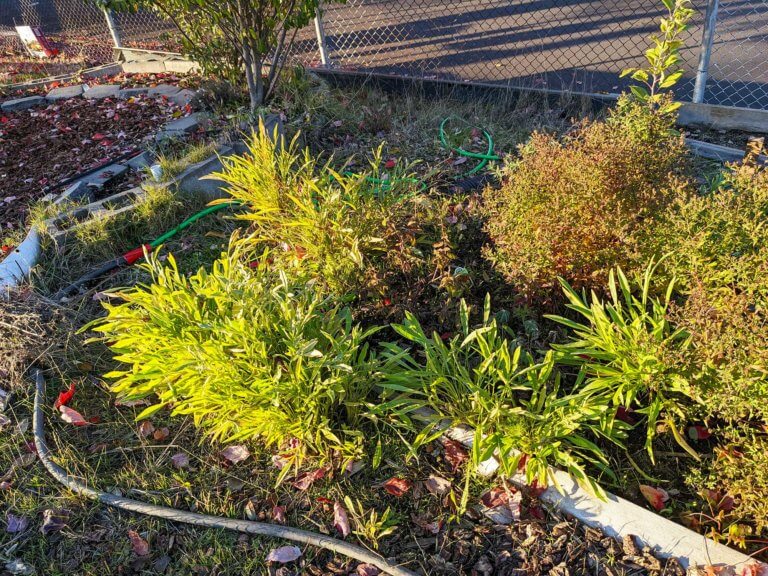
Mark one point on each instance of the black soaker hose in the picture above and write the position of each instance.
(174, 515)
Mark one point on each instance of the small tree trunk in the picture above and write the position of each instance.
(253, 78)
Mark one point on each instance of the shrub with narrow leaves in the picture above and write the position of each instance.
(333, 226)
(629, 353)
(248, 354)
(576, 208)
(514, 404)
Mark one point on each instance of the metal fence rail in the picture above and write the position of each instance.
(579, 45)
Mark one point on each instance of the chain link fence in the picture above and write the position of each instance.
(577, 45)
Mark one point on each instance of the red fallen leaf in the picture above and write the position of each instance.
(698, 432)
(455, 454)
(625, 415)
(496, 496)
(72, 416)
(4, 119)
(6, 249)
(397, 486)
(340, 519)
(278, 514)
(98, 136)
(306, 479)
(537, 512)
(324, 501)
(106, 142)
(64, 397)
(139, 546)
(718, 500)
(657, 497)
(446, 336)
(389, 164)
(754, 569)
(146, 429)
(386, 302)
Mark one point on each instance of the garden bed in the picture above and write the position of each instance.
(437, 254)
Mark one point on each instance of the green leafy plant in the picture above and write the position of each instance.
(368, 526)
(333, 225)
(248, 354)
(630, 353)
(480, 379)
(664, 70)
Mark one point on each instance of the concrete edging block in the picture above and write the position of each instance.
(618, 518)
(17, 265)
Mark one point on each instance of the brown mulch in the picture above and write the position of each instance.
(554, 547)
(41, 147)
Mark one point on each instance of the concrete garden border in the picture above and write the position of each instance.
(619, 518)
(16, 267)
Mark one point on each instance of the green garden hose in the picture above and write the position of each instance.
(132, 256)
(191, 220)
(484, 157)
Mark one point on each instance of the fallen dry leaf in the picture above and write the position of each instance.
(657, 497)
(284, 554)
(72, 416)
(278, 514)
(54, 520)
(455, 454)
(236, 453)
(15, 524)
(367, 570)
(306, 479)
(180, 460)
(161, 434)
(437, 485)
(139, 546)
(146, 429)
(340, 519)
(397, 486)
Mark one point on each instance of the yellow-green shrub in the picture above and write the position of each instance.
(333, 226)
(246, 353)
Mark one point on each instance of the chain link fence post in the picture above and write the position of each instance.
(320, 33)
(708, 37)
(113, 31)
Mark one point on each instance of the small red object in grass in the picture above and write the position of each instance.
(698, 432)
(132, 256)
(397, 486)
(446, 336)
(657, 497)
(98, 136)
(4, 120)
(64, 397)
(6, 249)
(389, 164)
(386, 302)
